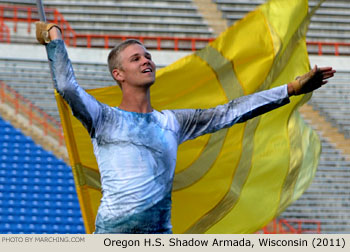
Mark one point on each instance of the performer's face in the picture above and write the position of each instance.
(138, 69)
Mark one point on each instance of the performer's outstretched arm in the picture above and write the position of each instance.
(197, 122)
(85, 107)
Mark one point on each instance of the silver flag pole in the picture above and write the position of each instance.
(41, 11)
(42, 17)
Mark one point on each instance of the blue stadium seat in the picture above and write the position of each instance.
(37, 191)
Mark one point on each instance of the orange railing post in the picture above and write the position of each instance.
(55, 16)
(274, 226)
(2, 31)
(88, 41)
(61, 137)
(176, 44)
(158, 44)
(29, 16)
(193, 44)
(2, 25)
(320, 48)
(336, 49)
(2, 91)
(16, 103)
(31, 114)
(15, 19)
(318, 227)
(45, 124)
(7, 32)
(106, 42)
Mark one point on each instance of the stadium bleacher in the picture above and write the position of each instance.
(170, 18)
(38, 211)
(330, 22)
(327, 199)
(32, 79)
(333, 102)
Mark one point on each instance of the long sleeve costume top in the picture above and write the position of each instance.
(136, 152)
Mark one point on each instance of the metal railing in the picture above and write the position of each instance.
(4, 30)
(4, 33)
(29, 15)
(292, 226)
(34, 114)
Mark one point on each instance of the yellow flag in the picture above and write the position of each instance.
(235, 180)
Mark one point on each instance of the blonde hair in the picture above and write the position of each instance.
(113, 57)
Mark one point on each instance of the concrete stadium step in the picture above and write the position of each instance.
(32, 80)
(156, 18)
(326, 198)
(330, 13)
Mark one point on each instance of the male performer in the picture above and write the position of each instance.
(136, 145)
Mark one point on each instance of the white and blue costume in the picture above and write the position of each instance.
(136, 152)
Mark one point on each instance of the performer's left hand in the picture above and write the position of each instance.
(310, 81)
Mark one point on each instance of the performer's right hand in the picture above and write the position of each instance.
(43, 34)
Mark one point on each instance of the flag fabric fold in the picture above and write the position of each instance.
(238, 179)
